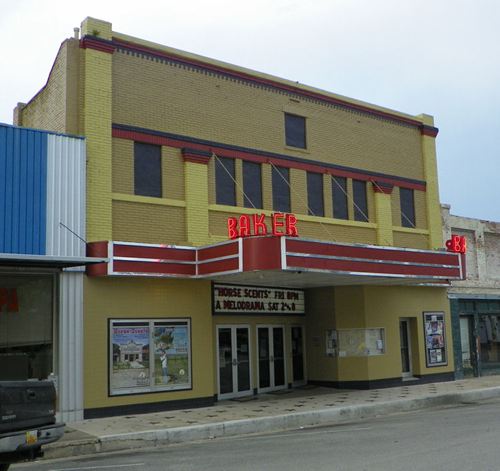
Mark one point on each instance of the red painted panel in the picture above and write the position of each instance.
(329, 249)
(157, 253)
(100, 250)
(262, 253)
(220, 266)
(366, 267)
(152, 267)
(207, 253)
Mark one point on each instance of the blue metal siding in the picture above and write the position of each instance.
(23, 189)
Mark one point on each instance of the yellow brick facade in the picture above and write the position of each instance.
(98, 92)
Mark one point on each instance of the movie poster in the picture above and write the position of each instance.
(130, 356)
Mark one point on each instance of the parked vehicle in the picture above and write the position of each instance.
(27, 420)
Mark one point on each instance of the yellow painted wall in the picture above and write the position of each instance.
(360, 307)
(320, 316)
(411, 239)
(54, 108)
(150, 222)
(123, 298)
(209, 107)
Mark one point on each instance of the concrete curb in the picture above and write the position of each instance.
(294, 420)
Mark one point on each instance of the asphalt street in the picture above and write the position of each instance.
(464, 437)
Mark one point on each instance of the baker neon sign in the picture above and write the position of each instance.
(457, 244)
(281, 224)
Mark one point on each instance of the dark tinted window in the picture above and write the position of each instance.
(147, 169)
(295, 131)
(281, 189)
(224, 181)
(360, 203)
(407, 202)
(315, 194)
(339, 195)
(252, 185)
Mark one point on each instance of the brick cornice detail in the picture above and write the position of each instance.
(430, 131)
(91, 42)
(196, 156)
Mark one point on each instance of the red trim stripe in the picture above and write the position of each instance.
(243, 155)
(158, 253)
(219, 266)
(367, 267)
(154, 267)
(208, 253)
(369, 253)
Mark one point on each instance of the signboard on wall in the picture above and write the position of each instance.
(236, 299)
(435, 340)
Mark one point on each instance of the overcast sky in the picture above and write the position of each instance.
(440, 57)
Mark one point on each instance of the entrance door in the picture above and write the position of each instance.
(298, 355)
(468, 347)
(271, 348)
(404, 333)
(233, 361)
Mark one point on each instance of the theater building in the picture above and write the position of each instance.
(259, 234)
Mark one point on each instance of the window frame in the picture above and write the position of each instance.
(291, 129)
(339, 196)
(360, 201)
(315, 195)
(407, 199)
(252, 183)
(222, 195)
(275, 177)
(151, 163)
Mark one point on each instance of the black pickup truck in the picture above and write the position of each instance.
(27, 420)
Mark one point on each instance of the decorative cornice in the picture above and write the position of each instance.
(266, 82)
(382, 187)
(150, 136)
(196, 156)
(427, 130)
(98, 44)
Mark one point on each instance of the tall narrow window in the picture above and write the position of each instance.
(252, 185)
(281, 189)
(315, 194)
(339, 195)
(360, 202)
(147, 170)
(295, 131)
(407, 203)
(225, 181)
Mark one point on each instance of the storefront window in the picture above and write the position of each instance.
(26, 326)
(149, 355)
(489, 335)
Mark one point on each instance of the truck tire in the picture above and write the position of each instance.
(4, 467)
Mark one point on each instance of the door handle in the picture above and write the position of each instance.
(31, 394)
(235, 361)
(271, 358)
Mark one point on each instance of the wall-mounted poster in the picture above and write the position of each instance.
(435, 340)
(149, 355)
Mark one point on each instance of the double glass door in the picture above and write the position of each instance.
(271, 358)
(233, 347)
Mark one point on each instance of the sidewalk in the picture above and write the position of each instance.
(303, 407)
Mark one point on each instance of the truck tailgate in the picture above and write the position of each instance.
(26, 404)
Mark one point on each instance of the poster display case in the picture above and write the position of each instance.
(435, 339)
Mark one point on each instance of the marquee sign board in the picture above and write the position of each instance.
(235, 299)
